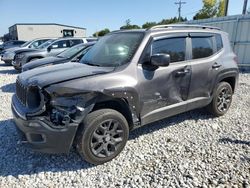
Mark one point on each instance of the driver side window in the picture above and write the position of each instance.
(175, 47)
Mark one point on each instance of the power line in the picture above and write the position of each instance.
(244, 11)
(226, 7)
(180, 3)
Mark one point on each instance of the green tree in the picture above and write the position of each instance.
(163, 22)
(148, 25)
(210, 9)
(101, 32)
(172, 20)
(221, 8)
(129, 26)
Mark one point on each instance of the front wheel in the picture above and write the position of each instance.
(222, 99)
(103, 136)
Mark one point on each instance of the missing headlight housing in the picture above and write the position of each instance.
(33, 97)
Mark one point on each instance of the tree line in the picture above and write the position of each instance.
(210, 9)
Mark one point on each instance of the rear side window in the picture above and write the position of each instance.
(75, 42)
(219, 43)
(175, 47)
(91, 40)
(60, 44)
(202, 47)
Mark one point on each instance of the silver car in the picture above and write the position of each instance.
(49, 48)
(8, 55)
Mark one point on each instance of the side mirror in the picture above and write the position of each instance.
(49, 48)
(160, 60)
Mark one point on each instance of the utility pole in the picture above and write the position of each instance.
(244, 11)
(180, 3)
(226, 7)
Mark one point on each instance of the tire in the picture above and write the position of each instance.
(102, 137)
(222, 99)
(18, 69)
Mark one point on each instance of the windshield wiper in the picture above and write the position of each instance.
(59, 56)
(92, 64)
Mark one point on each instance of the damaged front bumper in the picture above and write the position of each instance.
(40, 134)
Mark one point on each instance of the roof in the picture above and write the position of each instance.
(172, 27)
(49, 24)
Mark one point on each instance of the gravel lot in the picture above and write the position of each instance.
(189, 150)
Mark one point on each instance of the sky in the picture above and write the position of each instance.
(95, 15)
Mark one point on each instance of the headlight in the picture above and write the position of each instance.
(33, 97)
(9, 55)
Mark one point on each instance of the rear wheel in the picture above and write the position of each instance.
(103, 136)
(222, 99)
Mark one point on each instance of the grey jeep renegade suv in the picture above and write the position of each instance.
(128, 79)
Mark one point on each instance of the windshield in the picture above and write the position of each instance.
(45, 45)
(113, 50)
(71, 51)
(26, 44)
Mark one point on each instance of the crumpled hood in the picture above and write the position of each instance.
(48, 75)
(43, 62)
(13, 49)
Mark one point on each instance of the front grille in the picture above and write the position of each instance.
(21, 92)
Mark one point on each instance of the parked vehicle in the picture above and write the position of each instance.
(11, 44)
(9, 54)
(73, 54)
(90, 39)
(128, 79)
(49, 48)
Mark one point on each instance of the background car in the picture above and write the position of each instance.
(73, 54)
(49, 48)
(90, 39)
(10, 44)
(8, 55)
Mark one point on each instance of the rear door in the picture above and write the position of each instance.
(205, 64)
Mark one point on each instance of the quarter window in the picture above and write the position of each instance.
(219, 43)
(202, 47)
(175, 47)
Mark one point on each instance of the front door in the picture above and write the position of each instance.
(164, 90)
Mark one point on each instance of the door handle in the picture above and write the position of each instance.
(216, 65)
(182, 72)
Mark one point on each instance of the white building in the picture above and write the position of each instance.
(29, 31)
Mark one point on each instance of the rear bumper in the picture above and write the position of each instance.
(38, 133)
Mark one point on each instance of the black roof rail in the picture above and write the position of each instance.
(170, 26)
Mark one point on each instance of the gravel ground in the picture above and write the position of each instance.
(189, 150)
